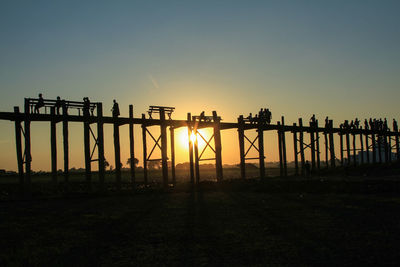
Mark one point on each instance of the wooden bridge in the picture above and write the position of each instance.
(382, 143)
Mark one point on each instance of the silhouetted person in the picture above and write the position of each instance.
(202, 116)
(312, 119)
(395, 127)
(346, 125)
(58, 105)
(268, 115)
(356, 123)
(385, 125)
(115, 109)
(351, 124)
(371, 124)
(39, 104)
(366, 124)
(86, 106)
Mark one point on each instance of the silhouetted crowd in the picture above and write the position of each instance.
(263, 116)
(87, 108)
(371, 124)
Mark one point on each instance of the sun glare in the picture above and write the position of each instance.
(183, 138)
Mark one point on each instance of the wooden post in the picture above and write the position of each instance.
(65, 145)
(117, 154)
(100, 145)
(389, 138)
(367, 146)
(280, 149)
(332, 145)
(301, 133)
(373, 147)
(28, 157)
(164, 153)
(348, 148)
(241, 147)
(341, 149)
(326, 148)
(53, 145)
(218, 147)
(86, 135)
(380, 147)
(296, 158)
(354, 150)
(18, 144)
(385, 146)
(312, 141)
(189, 119)
(172, 135)
(317, 150)
(144, 149)
(362, 147)
(261, 156)
(397, 145)
(283, 139)
(196, 157)
(132, 148)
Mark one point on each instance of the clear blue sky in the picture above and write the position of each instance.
(335, 58)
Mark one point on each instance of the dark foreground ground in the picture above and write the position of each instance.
(314, 223)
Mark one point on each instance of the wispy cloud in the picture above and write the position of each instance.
(154, 81)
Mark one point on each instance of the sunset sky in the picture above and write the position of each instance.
(339, 59)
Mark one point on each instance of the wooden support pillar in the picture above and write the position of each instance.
(367, 146)
(191, 167)
(28, 156)
(261, 151)
(218, 146)
(18, 144)
(362, 147)
(86, 137)
(397, 145)
(280, 149)
(53, 145)
(326, 148)
(389, 138)
(283, 139)
(385, 146)
(332, 145)
(341, 149)
(65, 145)
(380, 147)
(100, 145)
(164, 151)
(317, 150)
(354, 150)
(312, 141)
(348, 148)
(117, 155)
(196, 157)
(132, 148)
(144, 150)
(241, 147)
(301, 139)
(373, 147)
(172, 136)
(296, 158)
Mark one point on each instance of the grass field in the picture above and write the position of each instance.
(279, 222)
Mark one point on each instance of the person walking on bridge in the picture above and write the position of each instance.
(115, 109)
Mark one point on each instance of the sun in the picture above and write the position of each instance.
(183, 137)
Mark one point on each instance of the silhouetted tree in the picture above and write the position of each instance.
(135, 161)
